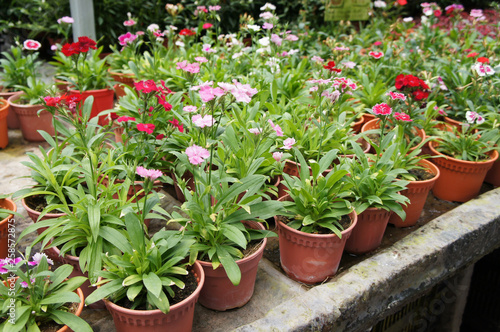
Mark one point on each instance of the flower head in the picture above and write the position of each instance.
(202, 122)
(146, 127)
(288, 143)
(197, 154)
(331, 67)
(482, 59)
(129, 23)
(127, 38)
(268, 6)
(37, 258)
(255, 131)
(146, 86)
(381, 109)
(125, 119)
(66, 19)
(277, 156)
(207, 25)
(151, 174)
(85, 43)
(177, 125)
(396, 95)
(190, 109)
(402, 117)
(376, 55)
(187, 32)
(31, 45)
(277, 128)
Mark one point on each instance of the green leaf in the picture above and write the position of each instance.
(133, 291)
(152, 283)
(61, 297)
(104, 291)
(130, 280)
(74, 322)
(235, 235)
(232, 269)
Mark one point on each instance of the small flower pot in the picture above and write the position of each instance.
(460, 180)
(417, 192)
(4, 114)
(179, 318)
(375, 124)
(31, 122)
(219, 293)
(12, 119)
(122, 79)
(103, 100)
(356, 126)
(493, 175)
(34, 215)
(6, 204)
(311, 258)
(369, 231)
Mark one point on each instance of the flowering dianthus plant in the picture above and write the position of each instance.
(32, 295)
(18, 67)
(87, 72)
(147, 120)
(129, 50)
(220, 200)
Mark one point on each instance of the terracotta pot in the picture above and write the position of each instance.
(30, 121)
(6, 204)
(369, 231)
(78, 312)
(417, 192)
(4, 114)
(219, 293)
(367, 117)
(74, 261)
(311, 258)
(12, 118)
(179, 318)
(61, 85)
(460, 180)
(123, 79)
(34, 215)
(454, 123)
(356, 126)
(374, 124)
(103, 100)
(493, 175)
(118, 134)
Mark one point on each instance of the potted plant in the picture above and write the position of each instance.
(41, 298)
(17, 68)
(28, 106)
(317, 221)
(375, 194)
(4, 112)
(160, 294)
(465, 158)
(89, 75)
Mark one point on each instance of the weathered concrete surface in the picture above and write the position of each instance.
(367, 288)
(359, 297)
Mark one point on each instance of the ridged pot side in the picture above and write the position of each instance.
(179, 318)
(460, 180)
(417, 192)
(219, 293)
(311, 258)
(31, 121)
(369, 231)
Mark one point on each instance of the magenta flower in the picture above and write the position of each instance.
(396, 95)
(277, 156)
(129, 23)
(474, 117)
(151, 174)
(8, 261)
(148, 127)
(376, 55)
(197, 154)
(382, 109)
(24, 284)
(31, 45)
(276, 128)
(37, 258)
(288, 143)
(202, 122)
(127, 38)
(402, 117)
(208, 93)
(125, 119)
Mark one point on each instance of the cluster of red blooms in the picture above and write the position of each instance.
(331, 67)
(69, 100)
(413, 85)
(81, 46)
(187, 32)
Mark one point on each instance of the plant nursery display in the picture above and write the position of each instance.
(317, 136)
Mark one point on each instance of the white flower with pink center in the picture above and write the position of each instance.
(288, 143)
(31, 45)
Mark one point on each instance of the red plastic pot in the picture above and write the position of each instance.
(417, 192)
(311, 258)
(30, 120)
(6, 204)
(369, 231)
(12, 119)
(460, 180)
(219, 293)
(179, 318)
(103, 100)
(4, 115)
(493, 175)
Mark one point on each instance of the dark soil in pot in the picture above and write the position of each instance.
(421, 174)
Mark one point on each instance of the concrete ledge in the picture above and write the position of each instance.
(359, 297)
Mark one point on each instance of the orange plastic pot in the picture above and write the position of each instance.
(375, 124)
(219, 293)
(179, 318)
(4, 132)
(12, 119)
(122, 79)
(369, 231)
(460, 180)
(311, 258)
(417, 192)
(30, 120)
(356, 126)
(493, 175)
(103, 100)
(6, 204)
